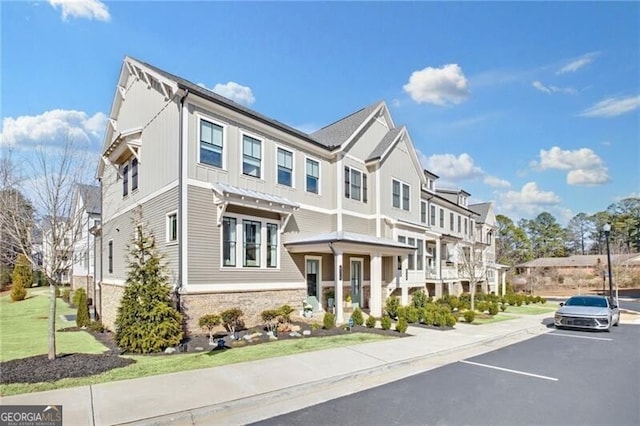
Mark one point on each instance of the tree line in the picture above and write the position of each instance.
(543, 236)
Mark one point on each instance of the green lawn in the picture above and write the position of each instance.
(533, 309)
(24, 325)
(496, 318)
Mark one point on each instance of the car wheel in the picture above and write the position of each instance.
(617, 322)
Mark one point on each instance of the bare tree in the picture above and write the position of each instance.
(56, 171)
(472, 267)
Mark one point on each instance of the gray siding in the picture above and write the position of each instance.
(368, 139)
(306, 223)
(399, 165)
(205, 241)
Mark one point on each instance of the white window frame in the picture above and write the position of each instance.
(363, 197)
(168, 239)
(306, 188)
(262, 148)
(239, 249)
(424, 212)
(293, 167)
(224, 140)
(319, 284)
(405, 189)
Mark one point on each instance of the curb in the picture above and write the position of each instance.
(243, 408)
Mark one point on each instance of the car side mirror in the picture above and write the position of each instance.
(614, 306)
(561, 303)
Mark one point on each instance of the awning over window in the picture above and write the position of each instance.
(124, 146)
(225, 194)
(350, 242)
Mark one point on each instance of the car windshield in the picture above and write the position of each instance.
(587, 301)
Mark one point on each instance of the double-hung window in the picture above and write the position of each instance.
(272, 245)
(110, 256)
(442, 218)
(412, 257)
(251, 243)
(466, 226)
(251, 156)
(172, 227)
(134, 174)
(451, 221)
(285, 167)
(401, 195)
(459, 224)
(355, 184)
(423, 212)
(125, 180)
(211, 143)
(433, 216)
(420, 255)
(229, 241)
(313, 176)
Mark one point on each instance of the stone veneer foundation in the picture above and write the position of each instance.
(110, 300)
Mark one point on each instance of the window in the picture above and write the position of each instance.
(285, 167)
(210, 143)
(272, 245)
(459, 224)
(466, 227)
(400, 192)
(489, 235)
(423, 212)
(420, 255)
(451, 221)
(355, 184)
(442, 218)
(125, 180)
(401, 239)
(472, 225)
(433, 216)
(412, 256)
(251, 156)
(229, 241)
(134, 174)
(251, 243)
(111, 257)
(172, 227)
(313, 175)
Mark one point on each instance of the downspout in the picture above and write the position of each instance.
(101, 264)
(181, 196)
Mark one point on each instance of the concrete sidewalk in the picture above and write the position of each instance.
(251, 391)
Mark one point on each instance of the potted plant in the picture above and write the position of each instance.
(347, 301)
(329, 295)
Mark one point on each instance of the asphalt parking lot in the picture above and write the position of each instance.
(564, 377)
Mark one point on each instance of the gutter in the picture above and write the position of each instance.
(181, 200)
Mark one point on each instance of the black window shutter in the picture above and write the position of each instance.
(347, 182)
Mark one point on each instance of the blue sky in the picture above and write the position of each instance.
(534, 106)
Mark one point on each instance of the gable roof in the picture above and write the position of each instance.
(90, 195)
(385, 143)
(482, 209)
(334, 134)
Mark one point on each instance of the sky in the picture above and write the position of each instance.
(534, 106)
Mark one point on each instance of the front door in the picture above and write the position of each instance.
(313, 277)
(356, 281)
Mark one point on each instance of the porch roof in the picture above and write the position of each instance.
(349, 241)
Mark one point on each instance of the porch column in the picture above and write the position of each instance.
(438, 265)
(503, 279)
(375, 307)
(337, 261)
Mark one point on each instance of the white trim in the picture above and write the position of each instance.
(201, 116)
(339, 192)
(168, 227)
(378, 214)
(306, 157)
(143, 200)
(362, 178)
(114, 282)
(355, 159)
(293, 166)
(402, 184)
(242, 133)
(319, 283)
(183, 216)
(249, 286)
(374, 113)
(359, 260)
(240, 244)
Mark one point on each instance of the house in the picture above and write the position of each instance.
(87, 212)
(57, 248)
(251, 213)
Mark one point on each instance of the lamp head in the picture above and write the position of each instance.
(607, 228)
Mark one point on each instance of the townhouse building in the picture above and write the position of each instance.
(251, 213)
(87, 215)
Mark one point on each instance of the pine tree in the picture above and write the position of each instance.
(82, 312)
(146, 320)
(21, 278)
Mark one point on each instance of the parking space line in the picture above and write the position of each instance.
(511, 371)
(606, 339)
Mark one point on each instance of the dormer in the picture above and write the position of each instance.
(431, 181)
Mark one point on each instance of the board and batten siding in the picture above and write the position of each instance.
(368, 139)
(121, 230)
(205, 248)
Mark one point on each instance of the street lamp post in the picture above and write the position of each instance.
(607, 231)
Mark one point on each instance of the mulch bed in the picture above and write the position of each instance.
(39, 368)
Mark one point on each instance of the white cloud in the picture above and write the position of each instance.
(449, 166)
(578, 63)
(612, 107)
(496, 182)
(89, 9)
(438, 86)
(234, 91)
(584, 166)
(530, 194)
(52, 127)
(554, 89)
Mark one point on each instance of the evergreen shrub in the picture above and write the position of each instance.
(469, 316)
(391, 306)
(358, 318)
(371, 321)
(82, 311)
(401, 325)
(385, 322)
(328, 321)
(21, 278)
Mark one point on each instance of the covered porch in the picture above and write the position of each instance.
(357, 265)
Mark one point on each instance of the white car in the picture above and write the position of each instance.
(591, 312)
